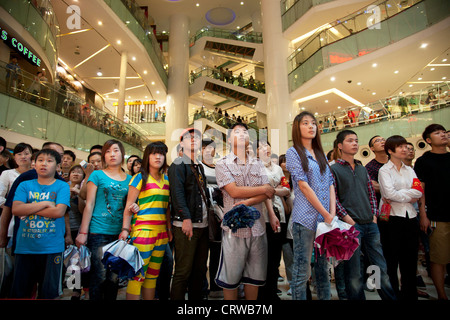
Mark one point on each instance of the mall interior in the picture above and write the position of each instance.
(81, 72)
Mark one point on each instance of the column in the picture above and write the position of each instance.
(280, 107)
(178, 83)
(123, 77)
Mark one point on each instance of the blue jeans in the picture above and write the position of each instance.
(103, 284)
(303, 246)
(369, 238)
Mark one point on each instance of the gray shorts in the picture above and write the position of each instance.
(242, 260)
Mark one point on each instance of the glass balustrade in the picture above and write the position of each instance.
(292, 10)
(361, 33)
(245, 81)
(254, 37)
(405, 114)
(134, 18)
(40, 109)
(39, 19)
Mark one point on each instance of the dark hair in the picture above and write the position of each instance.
(154, 147)
(207, 142)
(370, 141)
(282, 158)
(21, 147)
(133, 156)
(93, 154)
(410, 143)
(343, 134)
(2, 142)
(71, 154)
(47, 144)
(316, 144)
(132, 165)
(234, 125)
(77, 166)
(430, 129)
(97, 146)
(393, 142)
(108, 144)
(50, 152)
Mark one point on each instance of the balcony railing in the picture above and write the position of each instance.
(132, 15)
(254, 37)
(361, 33)
(44, 101)
(247, 82)
(292, 10)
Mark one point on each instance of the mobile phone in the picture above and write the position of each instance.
(83, 164)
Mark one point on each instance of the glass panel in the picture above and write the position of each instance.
(26, 119)
(408, 22)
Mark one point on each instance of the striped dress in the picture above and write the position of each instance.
(149, 229)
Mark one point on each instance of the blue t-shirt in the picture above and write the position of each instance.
(110, 203)
(36, 234)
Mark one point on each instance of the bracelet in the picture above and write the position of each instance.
(82, 232)
(125, 229)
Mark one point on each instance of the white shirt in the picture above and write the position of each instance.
(395, 185)
(7, 179)
(274, 174)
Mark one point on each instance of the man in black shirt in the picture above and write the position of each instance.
(433, 170)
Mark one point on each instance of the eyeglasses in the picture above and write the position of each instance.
(378, 140)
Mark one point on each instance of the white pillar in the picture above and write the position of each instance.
(122, 81)
(178, 84)
(280, 106)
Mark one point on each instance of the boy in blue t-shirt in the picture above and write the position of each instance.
(40, 203)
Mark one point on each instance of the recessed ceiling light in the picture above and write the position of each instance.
(100, 23)
(133, 58)
(303, 108)
(374, 65)
(157, 92)
(197, 4)
(146, 97)
(316, 114)
(374, 93)
(432, 69)
(99, 72)
(396, 71)
(444, 60)
(153, 83)
(443, 78)
(242, 3)
(359, 83)
(410, 85)
(339, 107)
(419, 79)
(145, 71)
(333, 78)
(116, 90)
(424, 45)
(119, 42)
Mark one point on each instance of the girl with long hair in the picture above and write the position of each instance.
(101, 224)
(150, 228)
(315, 202)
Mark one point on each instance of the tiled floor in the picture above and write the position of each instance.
(284, 287)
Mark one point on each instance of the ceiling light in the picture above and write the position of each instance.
(91, 56)
(99, 72)
(444, 60)
(424, 45)
(116, 90)
(443, 78)
(410, 85)
(326, 101)
(374, 93)
(119, 42)
(432, 69)
(303, 108)
(339, 107)
(359, 83)
(332, 78)
(100, 23)
(145, 71)
(396, 71)
(153, 83)
(419, 79)
(198, 4)
(133, 58)
(374, 65)
(242, 3)
(157, 92)
(333, 90)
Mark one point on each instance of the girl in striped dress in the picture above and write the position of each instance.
(150, 227)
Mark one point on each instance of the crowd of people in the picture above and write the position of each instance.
(178, 216)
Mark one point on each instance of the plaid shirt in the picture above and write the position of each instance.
(340, 210)
(251, 174)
